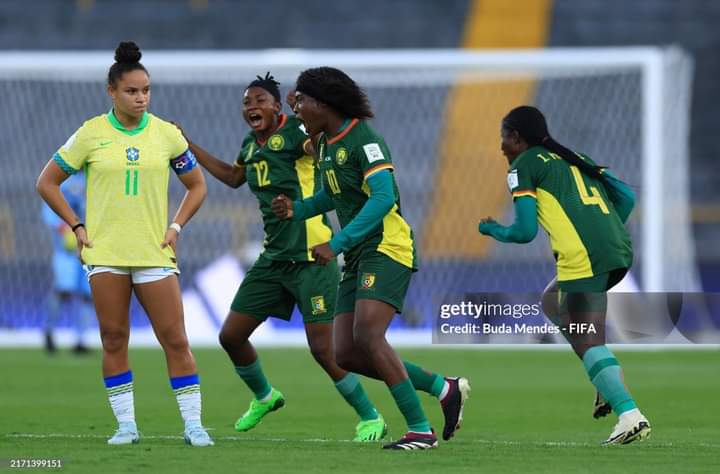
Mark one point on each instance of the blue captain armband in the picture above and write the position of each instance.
(184, 163)
(63, 165)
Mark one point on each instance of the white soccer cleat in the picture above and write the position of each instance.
(196, 435)
(632, 426)
(126, 433)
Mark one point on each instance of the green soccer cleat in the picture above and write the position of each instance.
(371, 430)
(258, 410)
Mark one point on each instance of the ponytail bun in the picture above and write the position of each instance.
(127, 52)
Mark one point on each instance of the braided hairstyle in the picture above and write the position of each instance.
(531, 125)
(336, 89)
(268, 83)
(127, 58)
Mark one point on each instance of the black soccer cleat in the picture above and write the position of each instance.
(414, 441)
(601, 407)
(453, 403)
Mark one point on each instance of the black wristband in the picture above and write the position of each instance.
(79, 224)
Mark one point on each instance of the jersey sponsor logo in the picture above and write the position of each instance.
(133, 154)
(373, 152)
(367, 281)
(70, 141)
(341, 156)
(276, 142)
(105, 143)
(512, 179)
(318, 305)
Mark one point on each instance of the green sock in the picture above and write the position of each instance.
(409, 404)
(255, 379)
(605, 373)
(424, 380)
(353, 392)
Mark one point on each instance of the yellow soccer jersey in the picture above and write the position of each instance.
(127, 176)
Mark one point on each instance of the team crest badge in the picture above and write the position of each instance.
(367, 281)
(133, 154)
(341, 156)
(318, 305)
(276, 142)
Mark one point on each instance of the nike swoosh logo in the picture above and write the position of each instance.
(105, 143)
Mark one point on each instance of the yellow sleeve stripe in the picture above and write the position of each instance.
(237, 164)
(524, 193)
(375, 169)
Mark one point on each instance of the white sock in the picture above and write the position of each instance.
(190, 403)
(122, 402)
(633, 412)
(267, 397)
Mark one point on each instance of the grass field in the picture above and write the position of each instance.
(529, 412)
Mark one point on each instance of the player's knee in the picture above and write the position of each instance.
(114, 340)
(551, 308)
(175, 341)
(366, 339)
(345, 357)
(226, 340)
(230, 341)
(323, 354)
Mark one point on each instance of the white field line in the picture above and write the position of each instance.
(548, 444)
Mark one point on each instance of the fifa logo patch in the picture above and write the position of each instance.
(318, 305)
(367, 281)
(276, 142)
(133, 154)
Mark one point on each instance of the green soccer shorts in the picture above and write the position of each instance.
(594, 284)
(274, 287)
(373, 276)
(586, 295)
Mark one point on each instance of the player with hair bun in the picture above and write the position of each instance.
(125, 241)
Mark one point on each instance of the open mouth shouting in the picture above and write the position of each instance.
(255, 120)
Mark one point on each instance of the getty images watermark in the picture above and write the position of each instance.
(637, 318)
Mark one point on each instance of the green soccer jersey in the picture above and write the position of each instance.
(346, 162)
(586, 233)
(281, 166)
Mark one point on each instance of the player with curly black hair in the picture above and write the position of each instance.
(378, 244)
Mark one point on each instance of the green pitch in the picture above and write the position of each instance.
(529, 411)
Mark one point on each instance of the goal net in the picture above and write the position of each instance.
(440, 112)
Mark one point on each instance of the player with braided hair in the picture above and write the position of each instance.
(275, 158)
(583, 208)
